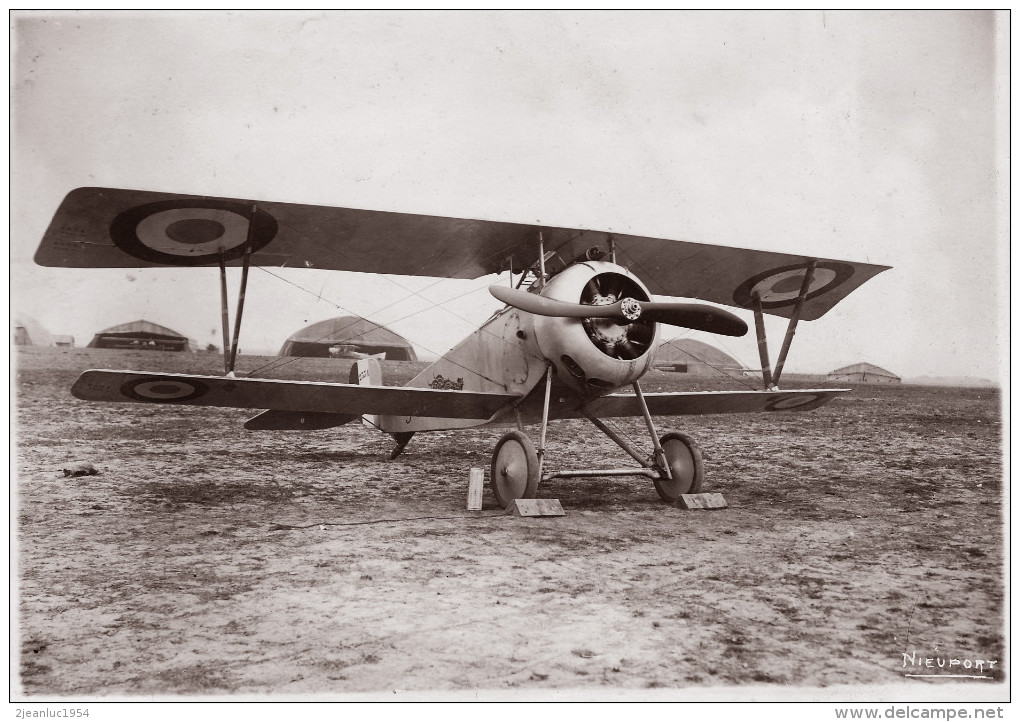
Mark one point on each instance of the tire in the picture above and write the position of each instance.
(514, 472)
(685, 465)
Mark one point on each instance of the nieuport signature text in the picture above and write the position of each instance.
(951, 664)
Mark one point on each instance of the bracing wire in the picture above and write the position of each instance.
(720, 369)
(275, 364)
(280, 363)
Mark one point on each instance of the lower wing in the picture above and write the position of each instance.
(694, 403)
(293, 404)
(318, 405)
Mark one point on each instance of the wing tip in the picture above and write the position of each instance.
(79, 387)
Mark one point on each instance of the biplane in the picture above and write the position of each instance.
(579, 328)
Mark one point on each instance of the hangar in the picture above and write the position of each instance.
(864, 373)
(142, 335)
(348, 336)
(26, 331)
(695, 358)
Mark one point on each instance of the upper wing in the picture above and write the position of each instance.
(112, 228)
(329, 401)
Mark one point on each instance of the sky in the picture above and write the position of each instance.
(867, 136)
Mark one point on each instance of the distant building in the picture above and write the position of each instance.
(348, 337)
(63, 341)
(142, 336)
(863, 373)
(694, 358)
(26, 331)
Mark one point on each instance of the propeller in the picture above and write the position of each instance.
(686, 315)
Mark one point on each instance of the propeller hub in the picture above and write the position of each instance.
(627, 336)
(631, 309)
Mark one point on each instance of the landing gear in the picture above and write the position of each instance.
(675, 465)
(686, 468)
(514, 469)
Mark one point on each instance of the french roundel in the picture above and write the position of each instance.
(793, 401)
(158, 389)
(191, 232)
(781, 286)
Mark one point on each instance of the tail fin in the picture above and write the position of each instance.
(367, 372)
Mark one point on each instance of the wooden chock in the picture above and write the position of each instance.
(476, 478)
(537, 507)
(702, 501)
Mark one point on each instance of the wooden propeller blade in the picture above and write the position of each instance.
(542, 306)
(686, 315)
(694, 316)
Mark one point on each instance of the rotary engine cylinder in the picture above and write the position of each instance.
(595, 356)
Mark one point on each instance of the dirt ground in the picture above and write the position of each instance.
(204, 559)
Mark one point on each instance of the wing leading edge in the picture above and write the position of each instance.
(685, 403)
(115, 228)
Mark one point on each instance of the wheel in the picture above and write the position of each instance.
(685, 466)
(514, 469)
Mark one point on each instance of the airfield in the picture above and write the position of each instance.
(204, 559)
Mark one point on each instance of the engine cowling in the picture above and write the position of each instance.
(597, 355)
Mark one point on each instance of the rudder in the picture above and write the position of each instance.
(367, 372)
